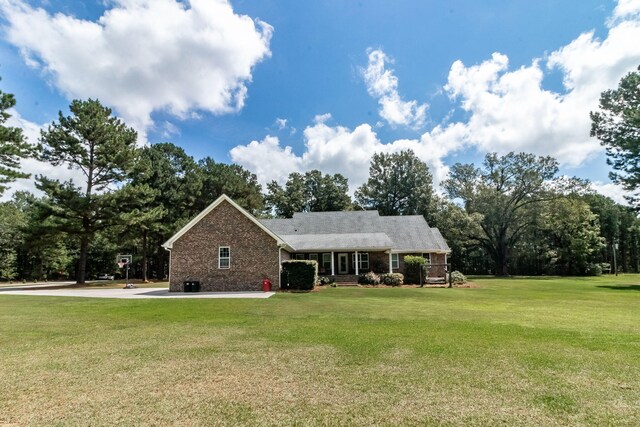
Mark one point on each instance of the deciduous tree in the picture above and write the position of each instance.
(311, 192)
(572, 236)
(498, 197)
(398, 184)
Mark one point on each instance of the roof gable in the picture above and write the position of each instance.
(224, 198)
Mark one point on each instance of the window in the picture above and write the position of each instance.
(224, 257)
(364, 260)
(326, 261)
(427, 257)
(313, 257)
(395, 262)
(299, 256)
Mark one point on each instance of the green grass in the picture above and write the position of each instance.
(92, 284)
(533, 352)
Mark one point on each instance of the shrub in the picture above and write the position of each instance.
(605, 266)
(299, 275)
(593, 270)
(413, 265)
(458, 278)
(392, 279)
(369, 278)
(323, 280)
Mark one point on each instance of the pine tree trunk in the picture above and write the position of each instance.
(144, 257)
(161, 261)
(82, 263)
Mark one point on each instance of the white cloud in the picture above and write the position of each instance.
(31, 131)
(508, 110)
(383, 84)
(281, 123)
(611, 190)
(143, 56)
(341, 150)
(169, 129)
(267, 159)
(322, 118)
(626, 8)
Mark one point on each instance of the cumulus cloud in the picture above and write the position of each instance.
(510, 110)
(626, 8)
(31, 132)
(507, 110)
(383, 84)
(267, 159)
(611, 190)
(143, 56)
(338, 149)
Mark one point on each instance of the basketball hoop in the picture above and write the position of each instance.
(124, 261)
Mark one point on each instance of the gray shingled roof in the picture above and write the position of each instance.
(357, 230)
(346, 241)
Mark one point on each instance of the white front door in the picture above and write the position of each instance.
(343, 266)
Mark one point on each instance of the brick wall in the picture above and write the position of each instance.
(435, 271)
(254, 254)
(379, 262)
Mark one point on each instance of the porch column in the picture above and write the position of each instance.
(333, 267)
(357, 264)
(390, 263)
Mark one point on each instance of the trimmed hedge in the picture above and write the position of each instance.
(392, 279)
(299, 275)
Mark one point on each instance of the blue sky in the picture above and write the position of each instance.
(282, 86)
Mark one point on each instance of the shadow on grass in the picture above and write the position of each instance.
(621, 288)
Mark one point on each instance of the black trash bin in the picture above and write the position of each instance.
(195, 286)
(188, 287)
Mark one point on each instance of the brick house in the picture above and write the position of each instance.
(226, 248)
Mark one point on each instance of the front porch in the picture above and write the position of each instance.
(342, 265)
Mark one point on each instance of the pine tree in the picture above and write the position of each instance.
(13, 146)
(103, 148)
(617, 126)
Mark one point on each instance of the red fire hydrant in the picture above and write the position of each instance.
(266, 285)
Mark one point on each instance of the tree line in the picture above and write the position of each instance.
(513, 214)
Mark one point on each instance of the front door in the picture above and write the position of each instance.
(343, 266)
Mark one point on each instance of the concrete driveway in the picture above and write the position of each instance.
(138, 293)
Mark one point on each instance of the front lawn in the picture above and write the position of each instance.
(509, 351)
